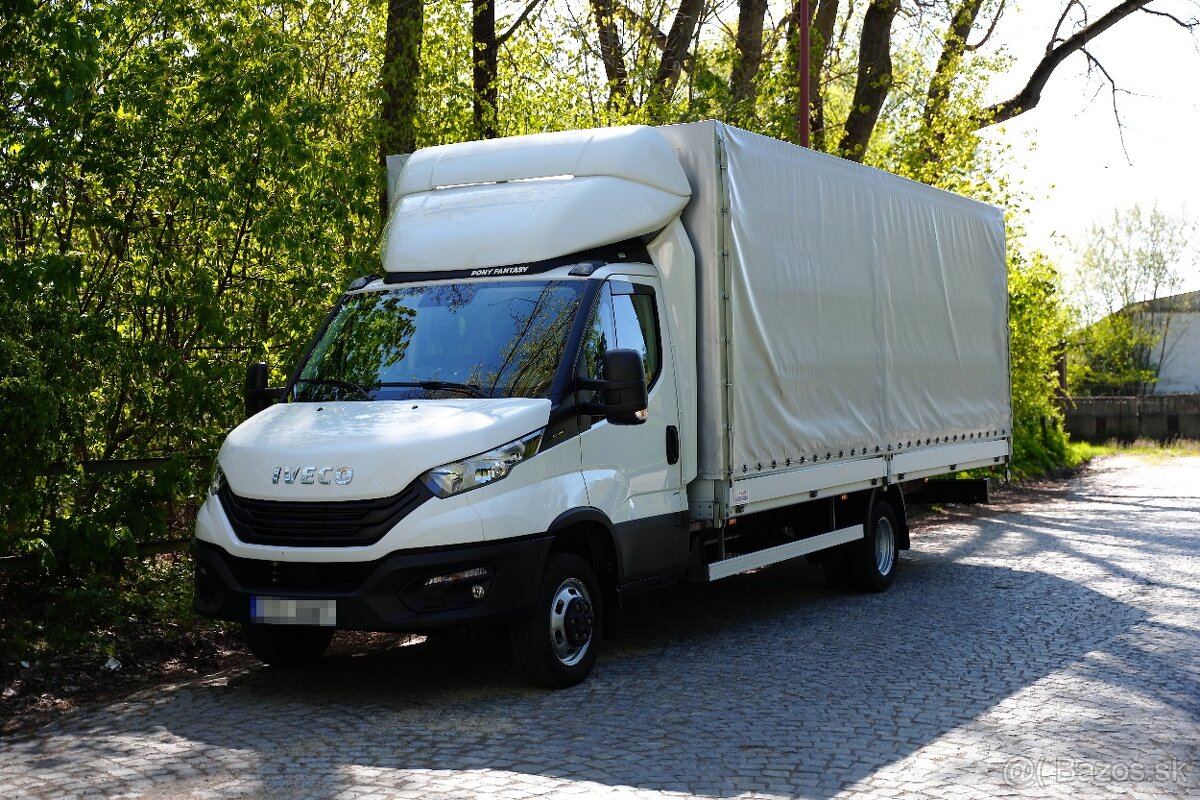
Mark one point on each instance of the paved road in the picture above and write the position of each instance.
(1050, 650)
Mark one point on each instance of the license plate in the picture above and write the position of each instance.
(293, 611)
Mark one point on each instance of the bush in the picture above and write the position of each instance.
(1037, 319)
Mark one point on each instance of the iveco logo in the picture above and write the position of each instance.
(325, 475)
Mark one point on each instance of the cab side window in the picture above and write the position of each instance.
(601, 336)
(637, 329)
(624, 320)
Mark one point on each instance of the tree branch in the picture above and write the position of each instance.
(1095, 62)
(953, 47)
(656, 34)
(991, 29)
(1054, 37)
(648, 27)
(937, 95)
(1189, 26)
(524, 15)
(1057, 52)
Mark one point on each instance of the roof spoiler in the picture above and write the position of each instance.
(395, 165)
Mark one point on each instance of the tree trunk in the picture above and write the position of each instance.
(610, 53)
(874, 78)
(399, 79)
(747, 59)
(483, 60)
(678, 38)
(953, 47)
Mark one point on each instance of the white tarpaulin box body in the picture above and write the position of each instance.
(845, 318)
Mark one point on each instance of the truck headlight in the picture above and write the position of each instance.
(471, 473)
(218, 480)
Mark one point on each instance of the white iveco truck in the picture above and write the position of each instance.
(603, 361)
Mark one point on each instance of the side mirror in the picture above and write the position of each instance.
(624, 388)
(258, 395)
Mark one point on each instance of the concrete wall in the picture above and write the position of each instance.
(1180, 371)
(1161, 417)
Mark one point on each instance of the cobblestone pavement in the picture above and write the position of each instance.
(1052, 650)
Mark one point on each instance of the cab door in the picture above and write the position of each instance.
(633, 472)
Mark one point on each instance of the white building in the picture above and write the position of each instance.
(1177, 318)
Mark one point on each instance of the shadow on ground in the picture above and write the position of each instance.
(766, 682)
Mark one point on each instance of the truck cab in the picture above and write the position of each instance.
(462, 432)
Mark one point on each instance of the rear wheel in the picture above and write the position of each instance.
(557, 642)
(287, 645)
(875, 558)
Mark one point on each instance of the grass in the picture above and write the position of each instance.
(1081, 452)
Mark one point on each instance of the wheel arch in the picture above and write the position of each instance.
(892, 494)
(589, 533)
(860, 506)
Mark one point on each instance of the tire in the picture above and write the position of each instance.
(557, 642)
(287, 645)
(875, 558)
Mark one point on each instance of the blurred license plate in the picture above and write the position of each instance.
(293, 611)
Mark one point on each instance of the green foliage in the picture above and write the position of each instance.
(85, 614)
(1112, 357)
(1038, 322)
(186, 187)
(39, 386)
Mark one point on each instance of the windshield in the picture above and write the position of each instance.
(501, 339)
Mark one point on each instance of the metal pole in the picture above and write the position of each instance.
(805, 55)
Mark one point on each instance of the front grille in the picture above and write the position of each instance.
(252, 574)
(349, 523)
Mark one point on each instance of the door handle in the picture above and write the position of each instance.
(672, 444)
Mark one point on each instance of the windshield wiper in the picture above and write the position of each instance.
(339, 384)
(450, 386)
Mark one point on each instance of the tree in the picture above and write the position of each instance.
(1062, 46)
(400, 81)
(186, 186)
(874, 76)
(747, 60)
(1038, 321)
(1125, 265)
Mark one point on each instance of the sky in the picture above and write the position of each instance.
(1067, 152)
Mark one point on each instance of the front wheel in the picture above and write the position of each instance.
(287, 645)
(556, 644)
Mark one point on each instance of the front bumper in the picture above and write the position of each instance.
(385, 594)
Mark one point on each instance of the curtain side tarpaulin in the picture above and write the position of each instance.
(867, 309)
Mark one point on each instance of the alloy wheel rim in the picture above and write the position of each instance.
(885, 546)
